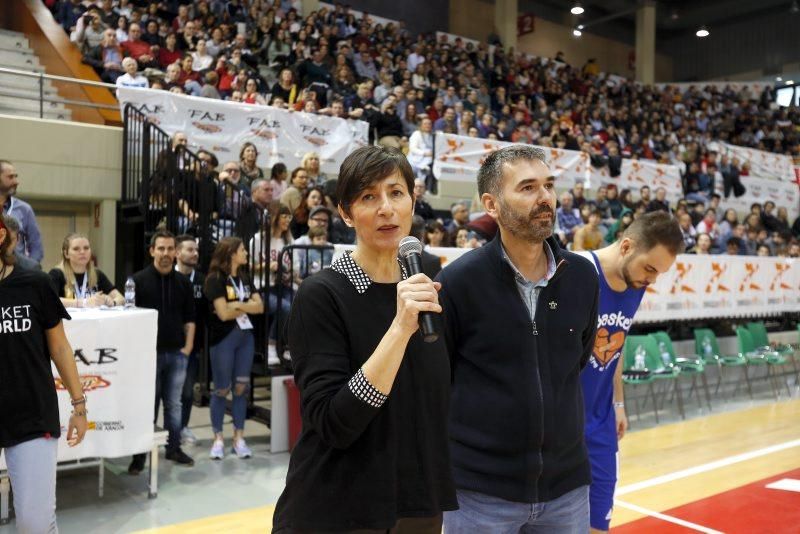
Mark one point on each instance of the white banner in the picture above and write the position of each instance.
(458, 158)
(705, 287)
(115, 352)
(785, 194)
(762, 164)
(222, 127)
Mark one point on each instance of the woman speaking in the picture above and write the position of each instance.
(373, 453)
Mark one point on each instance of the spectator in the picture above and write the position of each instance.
(733, 246)
(139, 50)
(446, 123)
(77, 281)
(293, 195)
(703, 246)
(644, 197)
(233, 298)
(209, 89)
(435, 235)
(729, 219)
(29, 240)
(420, 149)
(589, 236)
(311, 164)
(569, 219)
(460, 218)
(131, 78)
(278, 179)
(312, 198)
(106, 58)
(421, 206)
(255, 217)
(763, 251)
(768, 219)
(248, 163)
(614, 203)
(161, 288)
(578, 200)
(616, 229)
(89, 30)
(709, 224)
(285, 88)
(19, 262)
(688, 230)
(169, 53)
(626, 199)
(660, 203)
(730, 177)
(233, 198)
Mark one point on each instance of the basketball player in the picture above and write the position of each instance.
(647, 248)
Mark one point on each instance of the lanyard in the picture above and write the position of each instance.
(191, 276)
(80, 292)
(239, 290)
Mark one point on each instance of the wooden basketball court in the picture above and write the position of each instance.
(729, 472)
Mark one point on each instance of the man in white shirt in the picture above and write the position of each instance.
(131, 78)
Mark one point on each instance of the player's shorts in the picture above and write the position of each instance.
(605, 470)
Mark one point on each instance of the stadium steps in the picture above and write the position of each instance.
(19, 94)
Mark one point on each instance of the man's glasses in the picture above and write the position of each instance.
(320, 220)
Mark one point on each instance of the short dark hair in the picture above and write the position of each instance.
(490, 174)
(166, 234)
(418, 227)
(367, 165)
(656, 228)
(183, 238)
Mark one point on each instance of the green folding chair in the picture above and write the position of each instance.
(761, 339)
(747, 348)
(707, 348)
(664, 370)
(635, 372)
(692, 366)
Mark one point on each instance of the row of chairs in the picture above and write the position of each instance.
(650, 361)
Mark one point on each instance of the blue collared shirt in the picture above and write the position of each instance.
(30, 240)
(529, 290)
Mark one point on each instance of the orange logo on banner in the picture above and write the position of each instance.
(454, 146)
(683, 269)
(752, 269)
(718, 269)
(778, 280)
(605, 346)
(89, 383)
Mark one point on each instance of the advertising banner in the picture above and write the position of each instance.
(458, 158)
(222, 127)
(115, 352)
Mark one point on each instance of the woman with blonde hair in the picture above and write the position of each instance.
(310, 163)
(78, 282)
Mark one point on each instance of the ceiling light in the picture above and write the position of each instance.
(702, 32)
(576, 32)
(674, 15)
(789, 82)
(778, 79)
(580, 26)
(577, 9)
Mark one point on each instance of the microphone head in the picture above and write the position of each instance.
(410, 245)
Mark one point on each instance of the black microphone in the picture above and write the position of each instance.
(411, 253)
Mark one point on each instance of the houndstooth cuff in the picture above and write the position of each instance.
(365, 391)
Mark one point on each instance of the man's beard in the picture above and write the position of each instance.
(526, 226)
(626, 276)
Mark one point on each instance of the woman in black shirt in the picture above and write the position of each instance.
(230, 336)
(31, 333)
(77, 281)
(373, 452)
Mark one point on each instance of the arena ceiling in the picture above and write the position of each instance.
(673, 17)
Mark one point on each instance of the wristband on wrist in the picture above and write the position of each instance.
(619, 405)
(81, 400)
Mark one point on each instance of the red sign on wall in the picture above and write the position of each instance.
(525, 23)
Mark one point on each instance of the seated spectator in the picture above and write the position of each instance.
(139, 50)
(615, 206)
(447, 123)
(89, 30)
(703, 246)
(278, 177)
(460, 215)
(763, 251)
(106, 58)
(169, 53)
(234, 198)
(644, 197)
(255, 217)
(569, 218)
(251, 94)
(293, 195)
(311, 164)
(286, 88)
(435, 235)
(387, 124)
(201, 58)
(313, 261)
(616, 229)
(733, 246)
(626, 199)
(578, 200)
(248, 163)
(688, 230)
(312, 198)
(709, 225)
(660, 203)
(589, 236)
(77, 281)
(768, 218)
(421, 206)
(131, 78)
(209, 89)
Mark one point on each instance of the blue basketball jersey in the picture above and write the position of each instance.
(615, 315)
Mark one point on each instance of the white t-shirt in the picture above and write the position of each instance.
(126, 80)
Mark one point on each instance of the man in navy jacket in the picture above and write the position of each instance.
(520, 319)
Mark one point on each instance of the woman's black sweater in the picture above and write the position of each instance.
(356, 466)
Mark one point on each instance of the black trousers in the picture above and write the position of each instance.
(408, 525)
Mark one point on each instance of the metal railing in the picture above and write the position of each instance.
(43, 98)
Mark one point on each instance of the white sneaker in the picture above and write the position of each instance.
(241, 449)
(217, 450)
(188, 437)
(272, 355)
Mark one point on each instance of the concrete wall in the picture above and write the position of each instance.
(71, 174)
(475, 19)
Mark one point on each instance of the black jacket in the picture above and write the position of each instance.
(172, 295)
(516, 411)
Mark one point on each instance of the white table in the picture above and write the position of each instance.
(115, 352)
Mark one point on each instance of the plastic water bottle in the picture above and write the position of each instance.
(707, 349)
(665, 357)
(130, 293)
(638, 359)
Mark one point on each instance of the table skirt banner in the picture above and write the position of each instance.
(222, 127)
(704, 287)
(458, 158)
(115, 352)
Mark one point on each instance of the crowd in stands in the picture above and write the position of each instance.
(331, 62)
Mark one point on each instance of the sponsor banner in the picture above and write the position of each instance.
(762, 164)
(755, 88)
(786, 194)
(222, 127)
(458, 158)
(115, 352)
(705, 287)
